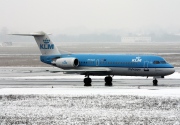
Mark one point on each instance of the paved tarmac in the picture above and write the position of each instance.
(31, 77)
(125, 83)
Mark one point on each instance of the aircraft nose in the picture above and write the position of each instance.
(171, 70)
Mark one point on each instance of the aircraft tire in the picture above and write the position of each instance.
(155, 82)
(108, 81)
(108, 84)
(87, 81)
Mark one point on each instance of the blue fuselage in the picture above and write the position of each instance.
(120, 64)
(109, 60)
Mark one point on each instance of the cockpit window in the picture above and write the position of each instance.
(156, 62)
(163, 62)
(159, 62)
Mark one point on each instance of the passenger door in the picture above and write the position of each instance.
(146, 63)
(97, 62)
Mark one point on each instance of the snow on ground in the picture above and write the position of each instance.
(89, 109)
(89, 105)
(149, 91)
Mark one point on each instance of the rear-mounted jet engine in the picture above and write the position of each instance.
(66, 62)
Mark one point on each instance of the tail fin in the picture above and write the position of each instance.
(46, 46)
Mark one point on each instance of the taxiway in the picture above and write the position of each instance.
(41, 77)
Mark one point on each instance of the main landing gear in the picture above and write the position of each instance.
(87, 81)
(108, 81)
(155, 82)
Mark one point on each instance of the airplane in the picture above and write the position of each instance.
(107, 65)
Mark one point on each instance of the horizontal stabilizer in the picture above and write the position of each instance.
(31, 34)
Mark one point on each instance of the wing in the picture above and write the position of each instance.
(82, 71)
(91, 71)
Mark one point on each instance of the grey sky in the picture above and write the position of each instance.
(88, 16)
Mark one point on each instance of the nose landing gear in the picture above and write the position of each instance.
(155, 82)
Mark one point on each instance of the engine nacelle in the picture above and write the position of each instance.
(67, 62)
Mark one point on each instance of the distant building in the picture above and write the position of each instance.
(135, 39)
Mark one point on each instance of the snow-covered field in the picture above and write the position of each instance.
(89, 106)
